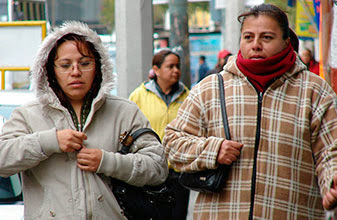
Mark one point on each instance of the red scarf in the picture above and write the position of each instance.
(262, 72)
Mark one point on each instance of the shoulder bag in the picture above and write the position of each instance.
(212, 180)
(147, 202)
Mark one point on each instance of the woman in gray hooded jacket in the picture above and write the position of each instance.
(65, 141)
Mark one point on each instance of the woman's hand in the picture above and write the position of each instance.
(70, 140)
(89, 159)
(229, 152)
(330, 198)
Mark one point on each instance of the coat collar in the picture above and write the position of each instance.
(151, 86)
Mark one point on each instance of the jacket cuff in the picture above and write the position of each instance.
(216, 148)
(107, 165)
(48, 142)
(100, 169)
(115, 165)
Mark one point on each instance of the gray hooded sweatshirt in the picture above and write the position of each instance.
(53, 185)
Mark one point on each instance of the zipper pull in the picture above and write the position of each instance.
(260, 97)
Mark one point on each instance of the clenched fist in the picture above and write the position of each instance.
(229, 152)
(330, 199)
(89, 159)
(70, 140)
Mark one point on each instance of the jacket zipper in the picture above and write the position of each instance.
(85, 178)
(257, 141)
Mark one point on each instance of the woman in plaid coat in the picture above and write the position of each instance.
(283, 124)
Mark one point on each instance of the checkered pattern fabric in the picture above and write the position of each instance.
(294, 132)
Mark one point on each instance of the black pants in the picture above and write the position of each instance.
(182, 194)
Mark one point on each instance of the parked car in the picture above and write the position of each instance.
(11, 202)
(11, 198)
(10, 99)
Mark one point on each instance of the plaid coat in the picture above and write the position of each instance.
(289, 134)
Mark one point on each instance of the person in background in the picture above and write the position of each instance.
(159, 99)
(65, 142)
(283, 124)
(223, 56)
(151, 74)
(203, 67)
(309, 60)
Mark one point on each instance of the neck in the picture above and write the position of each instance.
(77, 106)
(164, 87)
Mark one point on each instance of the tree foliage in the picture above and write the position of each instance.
(159, 11)
(290, 11)
(108, 14)
(193, 6)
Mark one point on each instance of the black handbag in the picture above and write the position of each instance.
(213, 180)
(147, 202)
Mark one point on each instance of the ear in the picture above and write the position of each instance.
(155, 68)
(286, 43)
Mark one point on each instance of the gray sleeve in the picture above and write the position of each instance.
(145, 165)
(20, 149)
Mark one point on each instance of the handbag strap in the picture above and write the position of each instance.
(223, 107)
(127, 139)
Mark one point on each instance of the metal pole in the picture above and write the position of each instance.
(10, 10)
(179, 36)
(53, 13)
(134, 43)
(231, 28)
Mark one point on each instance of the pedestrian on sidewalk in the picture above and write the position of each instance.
(65, 142)
(159, 99)
(283, 124)
(203, 68)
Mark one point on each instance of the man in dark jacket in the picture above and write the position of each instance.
(203, 68)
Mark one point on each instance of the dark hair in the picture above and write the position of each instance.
(86, 49)
(271, 11)
(159, 57)
(309, 50)
(226, 59)
(202, 57)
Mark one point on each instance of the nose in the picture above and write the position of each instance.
(75, 70)
(176, 69)
(257, 45)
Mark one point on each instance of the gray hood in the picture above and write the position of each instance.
(39, 80)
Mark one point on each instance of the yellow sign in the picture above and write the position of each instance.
(305, 19)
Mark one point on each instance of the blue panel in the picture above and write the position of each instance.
(6, 110)
(207, 44)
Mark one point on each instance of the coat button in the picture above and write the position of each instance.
(52, 214)
(100, 198)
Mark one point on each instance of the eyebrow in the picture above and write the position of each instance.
(66, 59)
(269, 32)
(265, 32)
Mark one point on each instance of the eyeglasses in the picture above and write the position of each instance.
(83, 66)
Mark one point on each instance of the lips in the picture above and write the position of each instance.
(76, 83)
(256, 57)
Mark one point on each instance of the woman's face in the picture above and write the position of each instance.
(169, 72)
(306, 56)
(74, 72)
(261, 37)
